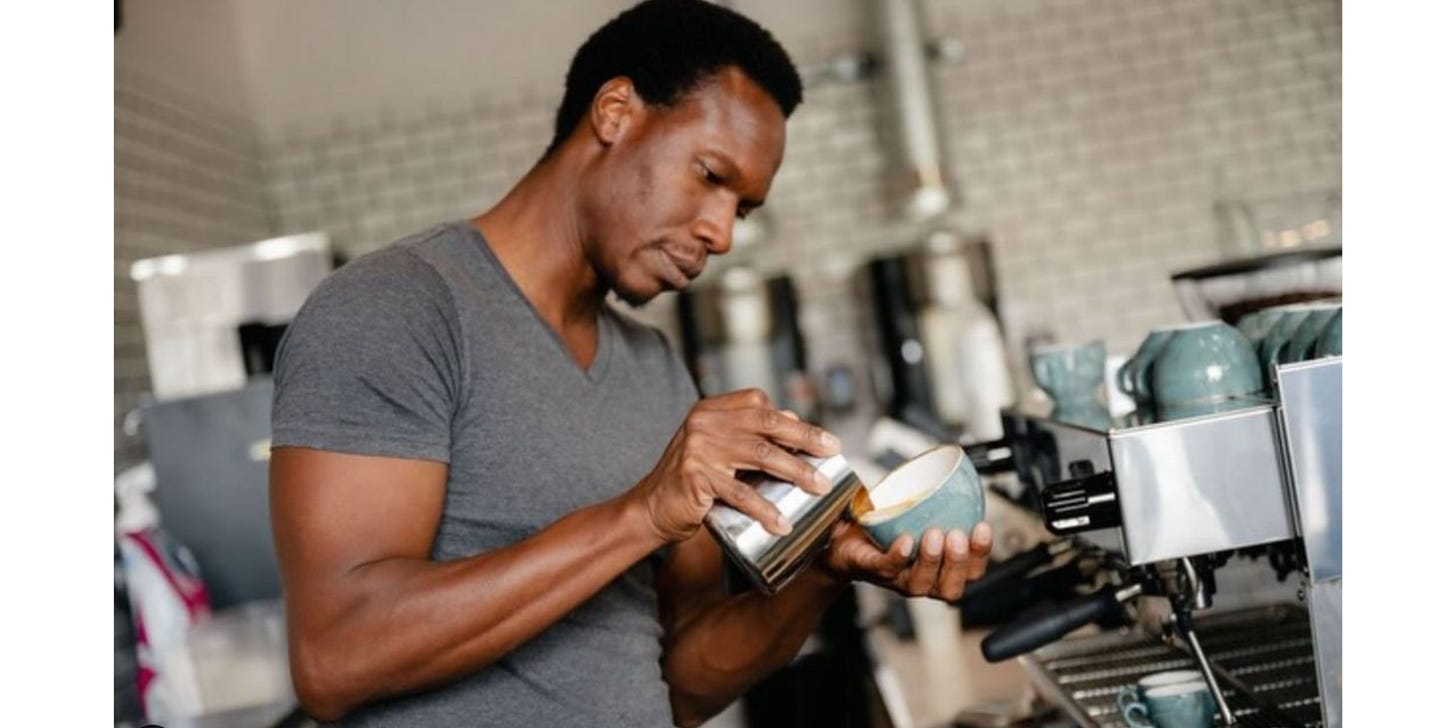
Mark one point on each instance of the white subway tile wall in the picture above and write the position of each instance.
(1086, 140)
(188, 177)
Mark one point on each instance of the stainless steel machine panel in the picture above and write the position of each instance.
(1197, 486)
(1184, 487)
(1313, 426)
(1313, 418)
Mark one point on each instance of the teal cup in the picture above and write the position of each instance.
(1070, 373)
(1302, 342)
(1255, 326)
(1132, 378)
(1272, 346)
(1091, 415)
(1176, 699)
(936, 489)
(1205, 363)
(1332, 339)
(1204, 409)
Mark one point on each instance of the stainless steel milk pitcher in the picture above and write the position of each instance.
(771, 561)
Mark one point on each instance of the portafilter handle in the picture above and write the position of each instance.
(1014, 568)
(1040, 629)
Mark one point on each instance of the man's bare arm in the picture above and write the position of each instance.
(369, 615)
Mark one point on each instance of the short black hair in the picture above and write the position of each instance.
(668, 48)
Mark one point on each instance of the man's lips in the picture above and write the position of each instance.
(672, 271)
(689, 268)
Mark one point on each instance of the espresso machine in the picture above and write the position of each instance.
(1147, 517)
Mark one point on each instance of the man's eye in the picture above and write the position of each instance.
(710, 175)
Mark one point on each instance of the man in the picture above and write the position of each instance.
(488, 487)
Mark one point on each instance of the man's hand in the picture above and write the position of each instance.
(942, 567)
(738, 431)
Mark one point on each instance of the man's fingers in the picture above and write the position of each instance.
(955, 567)
(980, 550)
(778, 426)
(766, 456)
(891, 562)
(738, 399)
(746, 498)
(923, 573)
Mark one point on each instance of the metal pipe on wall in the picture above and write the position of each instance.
(912, 106)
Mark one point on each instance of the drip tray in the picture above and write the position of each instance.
(1264, 659)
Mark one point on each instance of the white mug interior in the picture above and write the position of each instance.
(1171, 677)
(912, 482)
(1164, 691)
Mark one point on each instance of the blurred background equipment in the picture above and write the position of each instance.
(940, 339)
(1232, 289)
(214, 318)
(211, 458)
(742, 331)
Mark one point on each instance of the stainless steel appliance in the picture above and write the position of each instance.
(213, 318)
(211, 457)
(900, 288)
(742, 331)
(1166, 506)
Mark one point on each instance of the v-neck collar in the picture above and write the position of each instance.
(601, 360)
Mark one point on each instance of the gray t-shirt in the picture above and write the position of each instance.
(427, 349)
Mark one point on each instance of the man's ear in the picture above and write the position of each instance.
(613, 110)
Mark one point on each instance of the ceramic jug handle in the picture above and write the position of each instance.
(1136, 716)
(1124, 377)
(1126, 696)
(1039, 373)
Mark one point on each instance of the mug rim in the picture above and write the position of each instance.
(1172, 689)
(1049, 348)
(1188, 325)
(886, 514)
(1169, 677)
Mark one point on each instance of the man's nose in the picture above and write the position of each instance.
(715, 228)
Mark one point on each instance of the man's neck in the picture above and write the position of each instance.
(536, 231)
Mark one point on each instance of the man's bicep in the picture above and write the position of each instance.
(333, 512)
(690, 580)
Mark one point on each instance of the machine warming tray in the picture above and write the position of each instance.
(1264, 659)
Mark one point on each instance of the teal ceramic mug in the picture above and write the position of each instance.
(1272, 346)
(1302, 342)
(1170, 413)
(936, 489)
(1205, 362)
(1255, 326)
(1177, 699)
(1070, 373)
(1132, 378)
(1091, 415)
(1332, 339)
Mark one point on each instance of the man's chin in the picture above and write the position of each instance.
(633, 299)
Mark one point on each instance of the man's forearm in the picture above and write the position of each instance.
(407, 624)
(723, 651)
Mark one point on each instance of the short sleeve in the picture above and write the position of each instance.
(372, 363)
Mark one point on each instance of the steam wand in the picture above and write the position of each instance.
(1196, 592)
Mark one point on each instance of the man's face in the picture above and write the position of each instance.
(669, 192)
